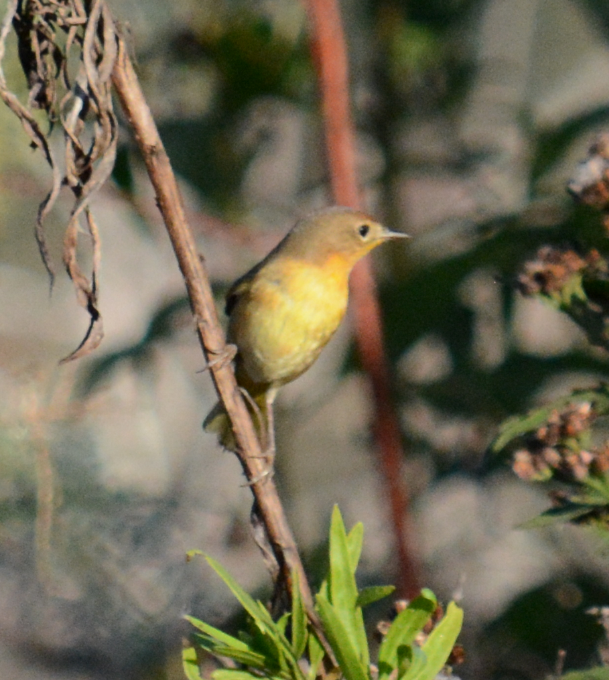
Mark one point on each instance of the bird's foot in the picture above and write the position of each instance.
(269, 471)
(221, 358)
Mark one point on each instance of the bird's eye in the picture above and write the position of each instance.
(363, 230)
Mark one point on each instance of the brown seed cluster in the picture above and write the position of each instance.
(555, 449)
(552, 269)
(590, 181)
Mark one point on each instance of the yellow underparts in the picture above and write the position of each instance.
(280, 323)
(287, 316)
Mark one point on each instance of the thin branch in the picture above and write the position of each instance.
(210, 333)
(330, 56)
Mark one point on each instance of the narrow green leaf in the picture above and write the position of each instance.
(218, 649)
(324, 589)
(244, 656)
(405, 656)
(206, 643)
(272, 643)
(516, 426)
(341, 642)
(599, 490)
(316, 654)
(557, 516)
(429, 594)
(219, 635)
(282, 622)
(248, 602)
(270, 648)
(299, 619)
(233, 674)
(412, 663)
(190, 663)
(343, 589)
(355, 541)
(264, 614)
(403, 631)
(373, 594)
(283, 646)
(247, 658)
(439, 644)
(362, 639)
(255, 609)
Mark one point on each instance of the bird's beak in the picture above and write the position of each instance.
(388, 234)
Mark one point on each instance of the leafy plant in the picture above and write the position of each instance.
(416, 646)
(555, 442)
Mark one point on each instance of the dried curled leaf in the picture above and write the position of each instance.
(56, 38)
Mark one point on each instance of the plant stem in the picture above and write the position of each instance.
(330, 53)
(211, 336)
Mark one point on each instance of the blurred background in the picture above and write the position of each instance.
(471, 116)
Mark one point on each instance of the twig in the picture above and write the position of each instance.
(209, 330)
(330, 56)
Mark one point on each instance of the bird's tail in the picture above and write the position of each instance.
(218, 422)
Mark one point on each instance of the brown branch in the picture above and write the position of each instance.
(330, 55)
(209, 330)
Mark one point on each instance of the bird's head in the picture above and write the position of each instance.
(336, 234)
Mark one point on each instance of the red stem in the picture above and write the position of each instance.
(330, 55)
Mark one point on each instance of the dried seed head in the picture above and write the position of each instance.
(550, 271)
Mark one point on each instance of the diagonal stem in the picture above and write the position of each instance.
(209, 330)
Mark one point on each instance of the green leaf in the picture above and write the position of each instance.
(190, 663)
(373, 594)
(439, 644)
(219, 635)
(324, 589)
(233, 674)
(316, 654)
(362, 638)
(403, 631)
(268, 642)
(282, 622)
(558, 516)
(247, 658)
(343, 588)
(270, 648)
(599, 490)
(599, 673)
(429, 594)
(299, 619)
(255, 609)
(516, 426)
(355, 541)
(341, 641)
(412, 663)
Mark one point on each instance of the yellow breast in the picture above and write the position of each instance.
(284, 319)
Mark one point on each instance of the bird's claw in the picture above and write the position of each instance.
(268, 473)
(222, 357)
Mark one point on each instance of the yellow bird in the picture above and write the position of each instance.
(285, 309)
